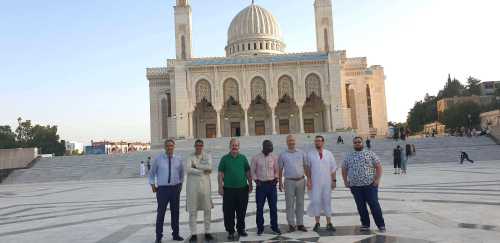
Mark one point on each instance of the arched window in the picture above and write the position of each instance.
(164, 118)
(231, 90)
(313, 85)
(285, 87)
(203, 91)
(369, 105)
(183, 48)
(258, 88)
(327, 45)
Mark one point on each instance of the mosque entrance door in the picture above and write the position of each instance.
(309, 126)
(260, 128)
(211, 130)
(235, 129)
(284, 126)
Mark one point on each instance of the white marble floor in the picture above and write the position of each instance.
(438, 202)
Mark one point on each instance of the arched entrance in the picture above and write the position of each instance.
(287, 111)
(259, 112)
(314, 110)
(232, 112)
(204, 115)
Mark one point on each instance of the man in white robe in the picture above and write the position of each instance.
(142, 169)
(321, 180)
(198, 197)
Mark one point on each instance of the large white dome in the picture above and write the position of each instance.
(254, 31)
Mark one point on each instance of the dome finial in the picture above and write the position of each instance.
(253, 2)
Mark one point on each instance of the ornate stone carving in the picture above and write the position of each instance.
(258, 88)
(313, 85)
(285, 87)
(203, 91)
(231, 90)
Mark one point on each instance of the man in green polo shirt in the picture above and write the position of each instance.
(235, 183)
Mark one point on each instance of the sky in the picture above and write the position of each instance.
(81, 64)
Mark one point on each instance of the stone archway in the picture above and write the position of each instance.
(259, 112)
(204, 115)
(232, 112)
(314, 109)
(287, 111)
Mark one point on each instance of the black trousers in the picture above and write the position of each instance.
(168, 195)
(235, 202)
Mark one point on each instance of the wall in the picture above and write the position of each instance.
(17, 158)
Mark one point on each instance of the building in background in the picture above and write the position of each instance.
(445, 103)
(489, 87)
(74, 147)
(121, 147)
(259, 89)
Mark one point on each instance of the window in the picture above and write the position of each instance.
(243, 47)
(369, 104)
(347, 96)
(327, 47)
(249, 46)
(183, 47)
(169, 105)
(261, 45)
(267, 45)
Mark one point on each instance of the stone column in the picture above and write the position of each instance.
(328, 119)
(219, 129)
(191, 125)
(273, 120)
(247, 132)
(301, 119)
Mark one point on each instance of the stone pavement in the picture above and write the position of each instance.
(440, 201)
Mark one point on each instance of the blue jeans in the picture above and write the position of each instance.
(368, 195)
(168, 195)
(267, 191)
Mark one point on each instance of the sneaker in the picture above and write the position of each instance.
(291, 228)
(316, 227)
(364, 228)
(259, 232)
(178, 238)
(302, 228)
(276, 231)
(242, 234)
(230, 237)
(330, 227)
(382, 229)
(209, 237)
(194, 238)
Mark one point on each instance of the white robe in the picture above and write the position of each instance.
(142, 170)
(198, 190)
(321, 193)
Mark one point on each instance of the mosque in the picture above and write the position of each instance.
(260, 89)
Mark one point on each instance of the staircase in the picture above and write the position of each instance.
(97, 167)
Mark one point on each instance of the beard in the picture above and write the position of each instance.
(358, 148)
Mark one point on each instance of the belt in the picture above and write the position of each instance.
(267, 182)
(295, 179)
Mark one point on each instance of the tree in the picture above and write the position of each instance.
(423, 112)
(457, 116)
(452, 88)
(473, 86)
(7, 138)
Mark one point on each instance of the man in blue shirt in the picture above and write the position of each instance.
(166, 178)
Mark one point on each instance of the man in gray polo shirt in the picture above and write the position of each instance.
(292, 163)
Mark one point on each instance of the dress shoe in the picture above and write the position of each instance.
(302, 228)
(242, 234)
(316, 227)
(330, 227)
(291, 228)
(231, 237)
(194, 238)
(178, 238)
(209, 237)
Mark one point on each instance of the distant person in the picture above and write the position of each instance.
(368, 143)
(198, 198)
(397, 159)
(321, 181)
(292, 166)
(166, 178)
(142, 169)
(408, 150)
(414, 149)
(148, 164)
(465, 156)
(235, 183)
(362, 172)
(404, 162)
(265, 173)
(340, 140)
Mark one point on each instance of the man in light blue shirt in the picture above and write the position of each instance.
(166, 178)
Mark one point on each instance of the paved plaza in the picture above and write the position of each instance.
(438, 201)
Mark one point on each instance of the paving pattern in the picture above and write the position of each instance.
(438, 201)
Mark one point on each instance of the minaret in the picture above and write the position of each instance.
(324, 25)
(183, 32)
